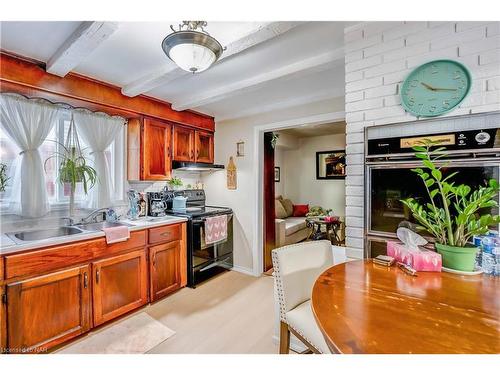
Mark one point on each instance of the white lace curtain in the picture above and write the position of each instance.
(99, 131)
(28, 122)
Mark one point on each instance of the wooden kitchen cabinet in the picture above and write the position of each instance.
(3, 316)
(119, 285)
(149, 149)
(192, 145)
(164, 263)
(47, 310)
(183, 144)
(204, 147)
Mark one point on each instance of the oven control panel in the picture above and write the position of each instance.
(462, 140)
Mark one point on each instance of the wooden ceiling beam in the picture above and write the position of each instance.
(307, 65)
(79, 45)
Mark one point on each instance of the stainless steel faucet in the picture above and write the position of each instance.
(92, 217)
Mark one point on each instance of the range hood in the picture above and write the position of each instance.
(196, 167)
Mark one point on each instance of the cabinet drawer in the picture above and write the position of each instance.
(137, 239)
(52, 258)
(165, 234)
(41, 261)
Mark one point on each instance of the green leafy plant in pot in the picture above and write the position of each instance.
(73, 166)
(175, 183)
(452, 213)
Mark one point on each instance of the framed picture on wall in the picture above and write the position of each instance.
(330, 165)
(277, 174)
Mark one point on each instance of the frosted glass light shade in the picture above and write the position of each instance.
(192, 57)
(192, 51)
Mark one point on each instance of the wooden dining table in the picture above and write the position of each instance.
(362, 307)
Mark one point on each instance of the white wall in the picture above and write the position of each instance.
(379, 55)
(299, 175)
(242, 200)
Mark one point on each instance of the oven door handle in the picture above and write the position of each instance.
(214, 264)
(199, 221)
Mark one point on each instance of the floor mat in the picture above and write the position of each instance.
(134, 335)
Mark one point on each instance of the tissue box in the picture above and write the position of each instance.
(421, 260)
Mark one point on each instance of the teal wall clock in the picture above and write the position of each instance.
(435, 88)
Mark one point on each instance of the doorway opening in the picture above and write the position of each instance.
(303, 185)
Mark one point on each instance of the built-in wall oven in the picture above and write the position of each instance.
(473, 153)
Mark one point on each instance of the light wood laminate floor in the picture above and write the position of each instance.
(231, 313)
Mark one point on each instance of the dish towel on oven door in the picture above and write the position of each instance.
(215, 229)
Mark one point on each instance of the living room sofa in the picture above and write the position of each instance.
(289, 229)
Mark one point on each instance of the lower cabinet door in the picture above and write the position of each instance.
(3, 326)
(165, 268)
(47, 310)
(120, 285)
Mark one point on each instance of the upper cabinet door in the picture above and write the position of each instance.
(204, 147)
(47, 310)
(183, 144)
(157, 163)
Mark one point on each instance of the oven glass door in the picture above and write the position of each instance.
(204, 254)
(389, 183)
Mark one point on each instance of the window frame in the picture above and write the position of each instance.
(117, 168)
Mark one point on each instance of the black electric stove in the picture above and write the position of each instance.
(203, 260)
(199, 211)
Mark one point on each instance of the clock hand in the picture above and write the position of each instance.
(428, 86)
(440, 89)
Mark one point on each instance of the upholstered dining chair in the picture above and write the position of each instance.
(296, 268)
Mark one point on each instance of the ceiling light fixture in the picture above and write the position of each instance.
(191, 47)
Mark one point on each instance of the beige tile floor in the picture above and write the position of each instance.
(231, 313)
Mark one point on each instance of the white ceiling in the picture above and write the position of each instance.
(303, 63)
(308, 130)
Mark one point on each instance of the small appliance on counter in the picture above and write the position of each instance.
(157, 203)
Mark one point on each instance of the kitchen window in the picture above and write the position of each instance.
(58, 194)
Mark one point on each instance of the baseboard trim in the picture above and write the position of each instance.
(244, 270)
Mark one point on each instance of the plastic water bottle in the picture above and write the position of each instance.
(476, 240)
(491, 255)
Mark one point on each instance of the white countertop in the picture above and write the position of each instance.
(7, 246)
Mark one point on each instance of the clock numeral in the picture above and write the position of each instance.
(432, 108)
(434, 69)
(414, 83)
(446, 104)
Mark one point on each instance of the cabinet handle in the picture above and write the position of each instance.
(85, 280)
(97, 276)
(165, 234)
(154, 260)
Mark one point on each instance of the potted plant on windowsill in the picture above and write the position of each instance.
(451, 214)
(73, 166)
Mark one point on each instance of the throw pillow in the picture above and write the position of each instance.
(300, 210)
(279, 210)
(288, 205)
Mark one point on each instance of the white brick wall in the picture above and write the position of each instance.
(379, 55)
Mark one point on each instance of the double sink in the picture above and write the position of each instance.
(44, 234)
